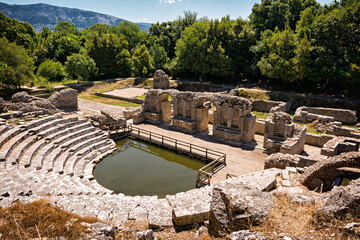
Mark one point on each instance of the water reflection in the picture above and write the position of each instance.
(139, 168)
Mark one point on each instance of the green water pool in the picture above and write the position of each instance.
(139, 168)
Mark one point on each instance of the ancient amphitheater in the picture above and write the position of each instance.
(52, 154)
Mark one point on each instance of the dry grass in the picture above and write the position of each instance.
(39, 220)
(254, 94)
(297, 221)
(109, 101)
(106, 86)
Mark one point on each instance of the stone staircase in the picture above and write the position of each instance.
(54, 157)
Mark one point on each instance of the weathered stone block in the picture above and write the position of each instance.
(65, 99)
(161, 80)
(237, 206)
(192, 206)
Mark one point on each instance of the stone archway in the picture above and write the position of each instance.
(350, 159)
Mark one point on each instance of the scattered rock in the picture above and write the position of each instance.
(65, 99)
(161, 80)
(343, 201)
(21, 97)
(100, 230)
(202, 230)
(352, 228)
(237, 206)
(147, 235)
(246, 235)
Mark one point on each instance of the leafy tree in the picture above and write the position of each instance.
(65, 28)
(66, 46)
(336, 36)
(21, 33)
(278, 52)
(271, 14)
(131, 33)
(159, 56)
(191, 49)
(17, 65)
(104, 49)
(51, 70)
(142, 61)
(125, 63)
(80, 67)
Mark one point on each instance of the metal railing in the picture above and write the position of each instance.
(216, 159)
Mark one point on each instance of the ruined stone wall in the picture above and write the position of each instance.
(342, 115)
(232, 118)
(267, 105)
(282, 135)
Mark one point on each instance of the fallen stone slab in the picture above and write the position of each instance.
(236, 206)
(192, 206)
(263, 180)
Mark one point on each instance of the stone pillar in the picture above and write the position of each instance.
(202, 119)
(166, 111)
(229, 117)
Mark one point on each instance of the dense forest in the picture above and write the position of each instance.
(297, 44)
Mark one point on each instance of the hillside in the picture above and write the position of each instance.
(39, 15)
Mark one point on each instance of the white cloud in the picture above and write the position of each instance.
(169, 1)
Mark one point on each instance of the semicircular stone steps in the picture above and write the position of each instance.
(54, 157)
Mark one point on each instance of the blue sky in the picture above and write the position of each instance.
(157, 10)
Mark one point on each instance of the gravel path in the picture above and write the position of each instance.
(89, 107)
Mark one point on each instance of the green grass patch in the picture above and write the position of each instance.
(141, 97)
(262, 115)
(109, 101)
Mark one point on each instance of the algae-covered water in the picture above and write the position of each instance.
(139, 168)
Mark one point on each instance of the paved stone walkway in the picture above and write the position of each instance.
(89, 107)
(130, 92)
(240, 160)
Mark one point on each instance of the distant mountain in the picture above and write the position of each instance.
(39, 15)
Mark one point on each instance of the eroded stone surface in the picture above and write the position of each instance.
(237, 206)
(65, 99)
(192, 206)
(343, 201)
(263, 180)
(161, 80)
(282, 135)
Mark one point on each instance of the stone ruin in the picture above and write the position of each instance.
(161, 80)
(189, 112)
(24, 104)
(339, 145)
(65, 99)
(310, 114)
(282, 135)
(108, 121)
